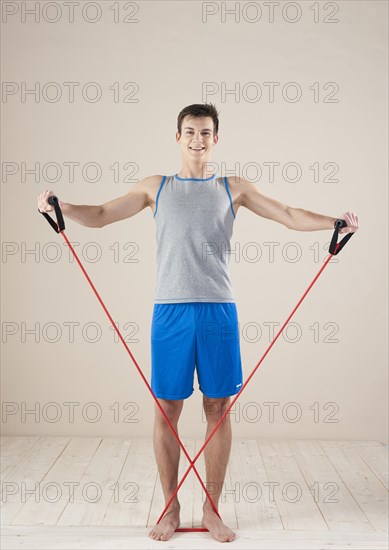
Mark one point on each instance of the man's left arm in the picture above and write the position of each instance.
(293, 218)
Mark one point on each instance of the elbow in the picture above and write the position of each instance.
(100, 218)
(289, 219)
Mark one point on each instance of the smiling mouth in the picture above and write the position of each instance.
(197, 149)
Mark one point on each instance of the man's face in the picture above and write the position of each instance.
(197, 138)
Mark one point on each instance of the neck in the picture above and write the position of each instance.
(202, 171)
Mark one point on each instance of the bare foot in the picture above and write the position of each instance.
(168, 524)
(216, 527)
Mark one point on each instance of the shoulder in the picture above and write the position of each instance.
(236, 182)
(238, 187)
(151, 181)
(150, 186)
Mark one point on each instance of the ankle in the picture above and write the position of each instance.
(174, 506)
(208, 508)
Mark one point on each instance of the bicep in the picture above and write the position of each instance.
(125, 206)
(263, 205)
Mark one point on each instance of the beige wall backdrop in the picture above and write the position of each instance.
(302, 94)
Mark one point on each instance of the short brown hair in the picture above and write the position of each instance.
(198, 110)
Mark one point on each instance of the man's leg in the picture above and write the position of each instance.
(216, 455)
(167, 454)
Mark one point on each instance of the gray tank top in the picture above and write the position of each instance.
(194, 222)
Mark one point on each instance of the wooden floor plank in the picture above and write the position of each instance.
(367, 490)
(351, 443)
(337, 505)
(28, 474)
(59, 482)
(131, 501)
(94, 491)
(13, 450)
(126, 473)
(295, 503)
(377, 460)
(123, 538)
(254, 508)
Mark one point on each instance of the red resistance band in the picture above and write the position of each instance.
(334, 249)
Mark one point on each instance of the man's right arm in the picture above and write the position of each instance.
(139, 196)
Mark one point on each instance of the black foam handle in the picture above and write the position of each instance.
(336, 247)
(60, 225)
(52, 200)
(340, 223)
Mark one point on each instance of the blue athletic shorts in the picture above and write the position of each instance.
(186, 335)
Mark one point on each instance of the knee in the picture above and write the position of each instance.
(214, 408)
(172, 409)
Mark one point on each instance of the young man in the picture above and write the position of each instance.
(195, 323)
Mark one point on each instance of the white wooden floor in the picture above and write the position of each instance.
(64, 492)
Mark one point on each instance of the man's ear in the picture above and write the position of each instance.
(215, 139)
(178, 136)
